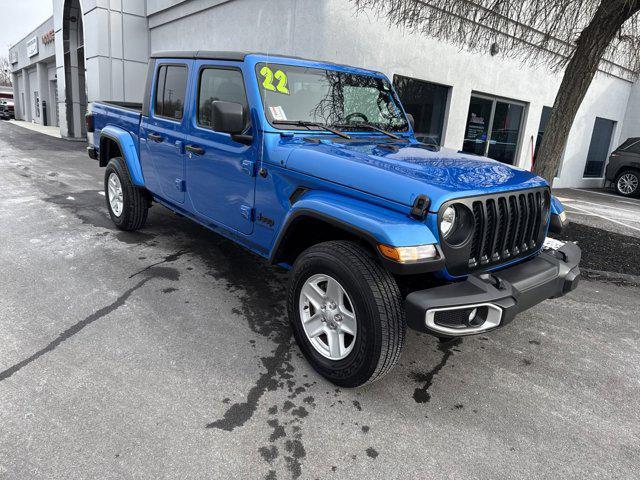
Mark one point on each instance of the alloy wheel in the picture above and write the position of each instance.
(328, 317)
(628, 183)
(116, 200)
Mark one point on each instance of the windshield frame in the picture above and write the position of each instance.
(357, 129)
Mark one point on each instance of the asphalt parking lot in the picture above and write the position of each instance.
(607, 226)
(167, 354)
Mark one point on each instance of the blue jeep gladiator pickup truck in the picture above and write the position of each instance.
(315, 166)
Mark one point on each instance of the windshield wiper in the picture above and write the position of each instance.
(302, 123)
(368, 125)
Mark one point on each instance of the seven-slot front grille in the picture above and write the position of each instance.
(504, 227)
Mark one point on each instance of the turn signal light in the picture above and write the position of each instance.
(414, 254)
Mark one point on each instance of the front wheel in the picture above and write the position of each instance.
(628, 183)
(346, 313)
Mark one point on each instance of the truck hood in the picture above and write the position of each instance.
(400, 171)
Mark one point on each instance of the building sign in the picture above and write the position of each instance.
(13, 57)
(32, 47)
(49, 37)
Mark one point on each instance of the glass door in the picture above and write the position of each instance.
(477, 132)
(505, 132)
(493, 128)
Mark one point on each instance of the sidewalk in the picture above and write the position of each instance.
(36, 127)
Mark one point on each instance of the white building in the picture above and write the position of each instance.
(467, 101)
(33, 62)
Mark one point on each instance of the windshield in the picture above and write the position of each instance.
(328, 97)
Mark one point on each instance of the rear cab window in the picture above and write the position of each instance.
(171, 90)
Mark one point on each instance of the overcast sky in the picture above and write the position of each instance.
(19, 17)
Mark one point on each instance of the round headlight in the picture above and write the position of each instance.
(448, 220)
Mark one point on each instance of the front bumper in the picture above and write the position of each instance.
(487, 301)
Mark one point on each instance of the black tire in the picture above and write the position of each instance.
(377, 303)
(626, 173)
(135, 199)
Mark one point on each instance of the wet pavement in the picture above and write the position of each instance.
(166, 354)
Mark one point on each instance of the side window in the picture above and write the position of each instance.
(635, 147)
(171, 89)
(218, 84)
(162, 73)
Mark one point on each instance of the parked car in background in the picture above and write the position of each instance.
(623, 169)
(7, 111)
(315, 166)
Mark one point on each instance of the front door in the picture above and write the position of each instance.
(493, 128)
(220, 171)
(162, 136)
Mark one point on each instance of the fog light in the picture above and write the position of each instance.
(414, 254)
(477, 317)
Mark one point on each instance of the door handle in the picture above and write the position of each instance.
(155, 138)
(194, 149)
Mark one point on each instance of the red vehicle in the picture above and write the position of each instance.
(7, 108)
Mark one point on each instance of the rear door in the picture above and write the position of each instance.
(220, 171)
(163, 133)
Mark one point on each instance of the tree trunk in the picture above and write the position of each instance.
(591, 46)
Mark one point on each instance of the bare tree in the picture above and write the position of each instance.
(579, 36)
(5, 72)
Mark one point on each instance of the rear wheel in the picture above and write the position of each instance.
(628, 183)
(346, 313)
(128, 205)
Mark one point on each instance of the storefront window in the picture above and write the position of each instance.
(493, 128)
(544, 119)
(427, 102)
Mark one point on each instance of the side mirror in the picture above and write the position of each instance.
(412, 121)
(227, 117)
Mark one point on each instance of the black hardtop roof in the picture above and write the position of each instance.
(204, 54)
(231, 56)
(219, 55)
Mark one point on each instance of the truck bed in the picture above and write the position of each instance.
(137, 107)
(124, 115)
